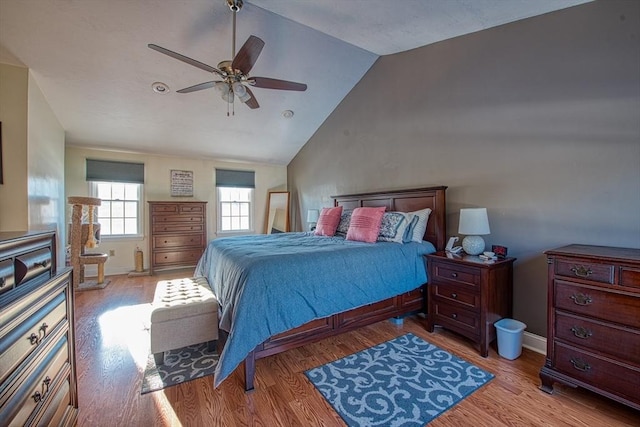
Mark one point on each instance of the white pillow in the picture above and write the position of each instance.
(421, 225)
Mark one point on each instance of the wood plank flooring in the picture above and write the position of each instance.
(112, 349)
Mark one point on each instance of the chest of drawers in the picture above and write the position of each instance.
(593, 330)
(178, 234)
(37, 356)
(468, 295)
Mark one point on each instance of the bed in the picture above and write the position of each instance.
(275, 304)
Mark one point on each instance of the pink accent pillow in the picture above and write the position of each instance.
(328, 221)
(365, 224)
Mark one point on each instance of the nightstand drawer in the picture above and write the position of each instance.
(602, 273)
(630, 277)
(457, 295)
(616, 341)
(601, 304)
(456, 317)
(456, 274)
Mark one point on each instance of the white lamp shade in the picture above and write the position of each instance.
(313, 215)
(474, 222)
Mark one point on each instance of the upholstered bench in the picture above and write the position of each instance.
(184, 312)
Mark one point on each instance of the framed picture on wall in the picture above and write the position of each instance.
(181, 183)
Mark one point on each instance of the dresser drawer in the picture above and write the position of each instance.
(7, 274)
(601, 304)
(602, 273)
(457, 295)
(177, 228)
(468, 276)
(172, 241)
(630, 277)
(188, 257)
(35, 391)
(168, 208)
(622, 343)
(191, 209)
(33, 264)
(456, 318)
(161, 219)
(20, 342)
(605, 374)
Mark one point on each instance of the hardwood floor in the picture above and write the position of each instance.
(112, 349)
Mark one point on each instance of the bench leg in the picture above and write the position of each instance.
(101, 272)
(159, 357)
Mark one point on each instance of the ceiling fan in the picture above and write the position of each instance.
(234, 74)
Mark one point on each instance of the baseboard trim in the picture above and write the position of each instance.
(534, 342)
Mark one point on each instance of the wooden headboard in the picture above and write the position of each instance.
(407, 201)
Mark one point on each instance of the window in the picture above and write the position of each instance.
(120, 212)
(119, 186)
(235, 206)
(235, 200)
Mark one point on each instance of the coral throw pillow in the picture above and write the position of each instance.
(365, 224)
(328, 221)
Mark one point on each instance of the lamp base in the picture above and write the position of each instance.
(473, 245)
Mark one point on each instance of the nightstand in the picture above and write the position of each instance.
(468, 295)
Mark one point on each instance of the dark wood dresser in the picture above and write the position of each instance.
(178, 234)
(593, 335)
(468, 295)
(37, 352)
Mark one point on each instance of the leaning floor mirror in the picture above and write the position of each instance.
(277, 220)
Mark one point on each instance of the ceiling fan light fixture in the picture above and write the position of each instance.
(228, 96)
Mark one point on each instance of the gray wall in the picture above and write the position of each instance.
(539, 121)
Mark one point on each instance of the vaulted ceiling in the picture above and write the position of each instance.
(90, 59)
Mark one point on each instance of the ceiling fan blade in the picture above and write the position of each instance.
(187, 60)
(194, 88)
(267, 83)
(248, 55)
(252, 102)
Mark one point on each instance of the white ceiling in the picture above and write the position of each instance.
(91, 61)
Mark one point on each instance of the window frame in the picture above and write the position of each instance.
(251, 229)
(93, 191)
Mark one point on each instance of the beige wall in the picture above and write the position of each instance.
(14, 84)
(33, 157)
(156, 187)
(537, 120)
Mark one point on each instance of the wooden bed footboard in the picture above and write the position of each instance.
(409, 302)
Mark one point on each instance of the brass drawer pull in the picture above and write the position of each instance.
(582, 271)
(454, 274)
(42, 264)
(581, 332)
(2, 282)
(454, 315)
(33, 339)
(43, 329)
(454, 295)
(581, 299)
(580, 364)
(39, 397)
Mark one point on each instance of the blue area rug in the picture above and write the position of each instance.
(181, 365)
(402, 382)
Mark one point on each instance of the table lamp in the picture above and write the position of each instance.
(473, 223)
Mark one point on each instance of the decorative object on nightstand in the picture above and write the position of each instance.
(312, 218)
(468, 295)
(473, 223)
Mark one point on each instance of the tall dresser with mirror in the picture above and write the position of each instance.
(593, 335)
(37, 352)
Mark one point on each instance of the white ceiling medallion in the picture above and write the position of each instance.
(287, 114)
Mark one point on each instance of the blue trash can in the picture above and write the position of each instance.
(510, 334)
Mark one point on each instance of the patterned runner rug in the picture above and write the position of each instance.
(181, 365)
(404, 381)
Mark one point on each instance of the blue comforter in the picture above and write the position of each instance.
(268, 284)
